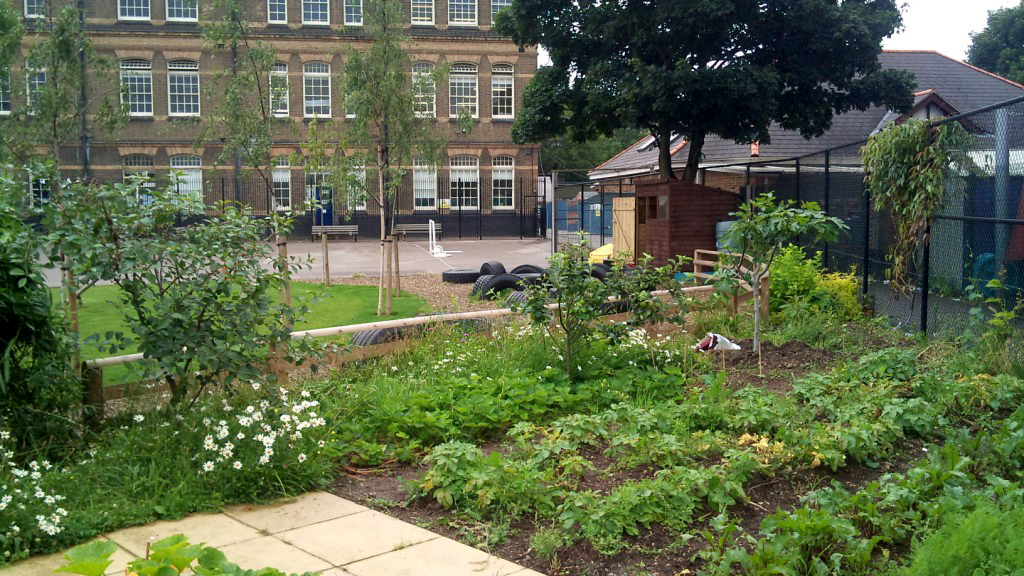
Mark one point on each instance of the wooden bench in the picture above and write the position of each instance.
(406, 229)
(337, 230)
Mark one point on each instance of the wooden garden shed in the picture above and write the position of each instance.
(675, 218)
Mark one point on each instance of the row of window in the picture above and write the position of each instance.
(183, 89)
(316, 12)
(463, 182)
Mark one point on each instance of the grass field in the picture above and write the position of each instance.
(102, 311)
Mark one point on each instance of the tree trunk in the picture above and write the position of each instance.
(756, 286)
(390, 289)
(693, 158)
(665, 155)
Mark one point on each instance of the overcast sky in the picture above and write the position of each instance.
(944, 26)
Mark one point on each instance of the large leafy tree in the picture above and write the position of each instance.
(999, 48)
(711, 67)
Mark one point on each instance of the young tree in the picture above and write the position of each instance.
(724, 67)
(763, 226)
(999, 48)
(387, 131)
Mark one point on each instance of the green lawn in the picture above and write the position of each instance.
(101, 312)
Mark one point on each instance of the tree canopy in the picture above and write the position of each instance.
(999, 48)
(723, 67)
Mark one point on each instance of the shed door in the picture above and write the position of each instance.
(624, 226)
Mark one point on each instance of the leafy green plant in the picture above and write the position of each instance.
(762, 228)
(171, 556)
(987, 541)
(578, 296)
(199, 299)
(906, 167)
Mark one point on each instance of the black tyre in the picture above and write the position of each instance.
(517, 297)
(492, 268)
(479, 283)
(498, 283)
(614, 307)
(527, 269)
(378, 336)
(460, 276)
(599, 271)
(530, 279)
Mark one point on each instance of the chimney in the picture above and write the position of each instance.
(755, 149)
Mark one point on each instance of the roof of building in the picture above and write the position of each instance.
(955, 84)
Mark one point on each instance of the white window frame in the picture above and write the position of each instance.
(279, 90)
(314, 179)
(184, 69)
(281, 179)
(504, 166)
(359, 180)
(5, 92)
(185, 6)
(140, 72)
(463, 72)
(308, 76)
(34, 8)
(353, 12)
(496, 6)
(424, 185)
(453, 11)
(33, 85)
(190, 182)
(466, 169)
(135, 5)
(505, 72)
(327, 12)
(283, 4)
(36, 189)
(424, 89)
(132, 164)
(422, 7)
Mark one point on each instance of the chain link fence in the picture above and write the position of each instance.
(977, 237)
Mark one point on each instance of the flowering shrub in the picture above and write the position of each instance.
(29, 507)
(261, 431)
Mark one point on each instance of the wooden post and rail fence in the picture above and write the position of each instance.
(704, 262)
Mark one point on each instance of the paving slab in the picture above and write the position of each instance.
(47, 564)
(287, 515)
(437, 557)
(269, 551)
(355, 537)
(215, 530)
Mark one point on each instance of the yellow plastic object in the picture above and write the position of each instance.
(601, 254)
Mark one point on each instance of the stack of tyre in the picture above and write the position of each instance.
(492, 278)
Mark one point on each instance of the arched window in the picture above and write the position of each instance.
(462, 90)
(425, 90)
(189, 178)
(282, 175)
(316, 89)
(183, 88)
(464, 182)
(503, 183)
(137, 86)
(140, 166)
(502, 88)
(279, 90)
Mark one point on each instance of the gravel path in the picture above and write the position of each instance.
(440, 296)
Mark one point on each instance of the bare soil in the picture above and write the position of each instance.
(657, 551)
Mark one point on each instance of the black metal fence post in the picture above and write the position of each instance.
(583, 213)
(867, 241)
(828, 166)
(480, 215)
(462, 199)
(925, 277)
(601, 218)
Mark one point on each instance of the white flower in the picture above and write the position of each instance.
(208, 466)
(255, 385)
(302, 457)
(264, 459)
(240, 436)
(237, 465)
(138, 417)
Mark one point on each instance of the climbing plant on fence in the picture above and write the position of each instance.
(906, 169)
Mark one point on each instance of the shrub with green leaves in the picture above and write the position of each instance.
(39, 393)
(199, 298)
(987, 541)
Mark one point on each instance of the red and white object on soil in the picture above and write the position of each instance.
(714, 341)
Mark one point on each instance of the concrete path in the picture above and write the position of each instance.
(317, 532)
(363, 257)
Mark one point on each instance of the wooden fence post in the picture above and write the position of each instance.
(327, 264)
(94, 400)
